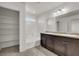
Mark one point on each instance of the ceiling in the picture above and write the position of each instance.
(41, 7)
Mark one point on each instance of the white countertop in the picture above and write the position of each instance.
(64, 35)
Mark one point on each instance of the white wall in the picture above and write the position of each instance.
(47, 23)
(21, 8)
(31, 30)
(42, 23)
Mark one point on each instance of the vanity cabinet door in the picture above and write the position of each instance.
(50, 42)
(60, 46)
(73, 47)
(43, 40)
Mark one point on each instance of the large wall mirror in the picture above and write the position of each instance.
(68, 23)
(75, 26)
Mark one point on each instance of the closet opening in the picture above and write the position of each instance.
(9, 30)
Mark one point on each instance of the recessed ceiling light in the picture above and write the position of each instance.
(61, 11)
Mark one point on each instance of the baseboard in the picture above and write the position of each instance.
(32, 44)
(8, 43)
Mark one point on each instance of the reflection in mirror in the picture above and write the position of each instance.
(68, 24)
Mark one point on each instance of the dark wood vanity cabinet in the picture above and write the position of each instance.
(47, 41)
(50, 42)
(73, 47)
(60, 45)
(43, 40)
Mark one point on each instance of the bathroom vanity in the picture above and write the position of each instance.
(61, 43)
